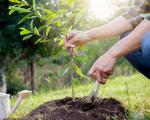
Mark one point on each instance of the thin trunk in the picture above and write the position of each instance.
(32, 76)
(27, 74)
(3, 81)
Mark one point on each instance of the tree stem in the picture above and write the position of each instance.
(71, 73)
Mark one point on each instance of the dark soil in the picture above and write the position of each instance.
(67, 109)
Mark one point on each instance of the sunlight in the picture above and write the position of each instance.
(101, 9)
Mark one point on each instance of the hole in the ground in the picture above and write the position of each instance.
(87, 107)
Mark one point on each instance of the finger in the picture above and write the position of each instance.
(104, 81)
(109, 70)
(93, 77)
(71, 41)
(92, 72)
(105, 75)
(70, 35)
(66, 40)
(98, 76)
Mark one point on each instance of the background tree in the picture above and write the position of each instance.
(10, 40)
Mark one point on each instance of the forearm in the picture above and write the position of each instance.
(114, 28)
(132, 42)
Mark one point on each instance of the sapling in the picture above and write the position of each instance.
(71, 67)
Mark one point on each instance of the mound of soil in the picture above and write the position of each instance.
(67, 109)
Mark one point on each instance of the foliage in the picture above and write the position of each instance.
(14, 79)
(10, 43)
(15, 86)
(10, 40)
(44, 20)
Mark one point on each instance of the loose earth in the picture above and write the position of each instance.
(67, 109)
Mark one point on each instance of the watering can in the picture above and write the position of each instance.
(5, 110)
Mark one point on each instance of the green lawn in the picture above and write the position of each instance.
(133, 91)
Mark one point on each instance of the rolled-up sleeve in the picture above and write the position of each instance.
(133, 13)
(133, 17)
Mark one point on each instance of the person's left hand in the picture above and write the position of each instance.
(105, 66)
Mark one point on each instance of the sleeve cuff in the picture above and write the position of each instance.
(133, 17)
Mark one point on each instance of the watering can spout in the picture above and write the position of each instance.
(23, 94)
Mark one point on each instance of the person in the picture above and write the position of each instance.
(133, 27)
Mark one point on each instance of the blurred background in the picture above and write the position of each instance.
(42, 67)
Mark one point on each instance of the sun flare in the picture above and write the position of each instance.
(101, 9)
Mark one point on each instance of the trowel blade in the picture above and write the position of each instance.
(93, 94)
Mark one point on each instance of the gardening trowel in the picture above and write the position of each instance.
(94, 93)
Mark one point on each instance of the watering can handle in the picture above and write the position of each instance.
(16, 105)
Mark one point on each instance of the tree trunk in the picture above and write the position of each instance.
(3, 81)
(27, 75)
(32, 76)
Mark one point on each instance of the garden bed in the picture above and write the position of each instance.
(67, 109)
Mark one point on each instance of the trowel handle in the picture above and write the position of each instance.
(19, 100)
(97, 86)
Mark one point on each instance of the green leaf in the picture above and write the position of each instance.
(14, 1)
(79, 72)
(20, 10)
(32, 17)
(36, 31)
(61, 42)
(27, 37)
(66, 70)
(38, 14)
(43, 41)
(47, 11)
(38, 40)
(34, 5)
(47, 31)
(31, 25)
(59, 24)
(11, 12)
(23, 19)
(24, 2)
(24, 31)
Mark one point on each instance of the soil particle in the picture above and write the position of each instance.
(67, 109)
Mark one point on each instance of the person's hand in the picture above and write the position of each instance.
(104, 65)
(74, 39)
(70, 48)
(77, 38)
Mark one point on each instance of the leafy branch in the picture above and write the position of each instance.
(43, 22)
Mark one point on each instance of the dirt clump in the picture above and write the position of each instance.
(67, 109)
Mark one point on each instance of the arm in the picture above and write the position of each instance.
(106, 63)
(128, 21)
(131, 42)
(114, 28)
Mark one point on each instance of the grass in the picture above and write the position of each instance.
(133, 91)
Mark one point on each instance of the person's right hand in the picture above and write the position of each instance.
(77, 38)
